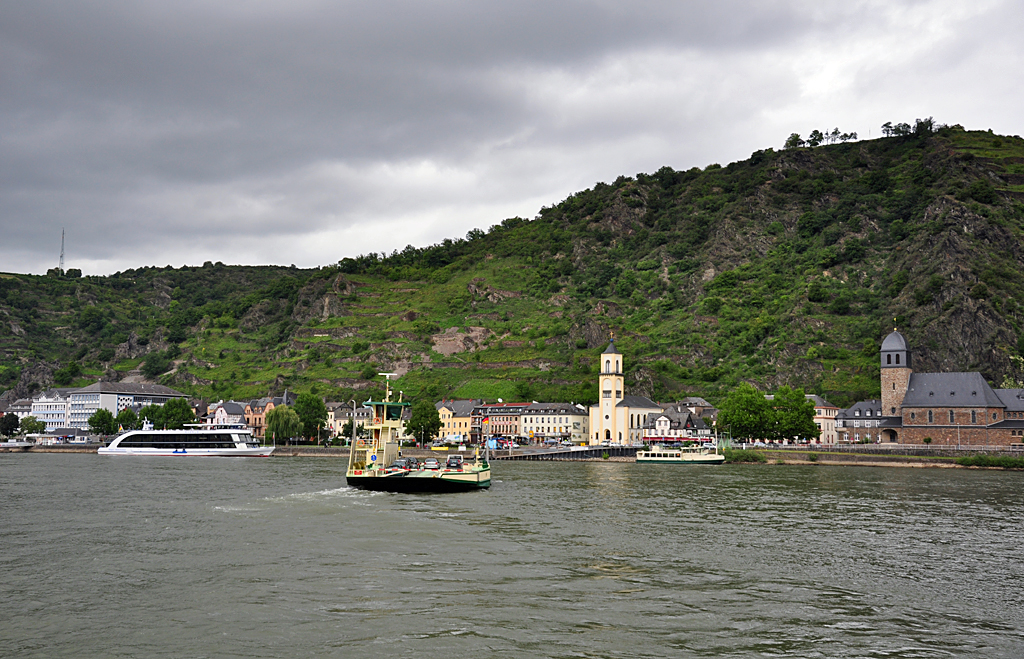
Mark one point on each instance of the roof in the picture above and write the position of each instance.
(555, 408)
(638, 401)
(677, 420)
(818, 400)
(871, 408)
(1013, 399)
(233, 408)
(894, 341)
(611, 349)
(129, 388)
(950, 390)
(459, 407)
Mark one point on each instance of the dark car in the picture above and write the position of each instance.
(453, 462)
(431, 463)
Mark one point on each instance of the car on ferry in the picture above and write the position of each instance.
(431, 463)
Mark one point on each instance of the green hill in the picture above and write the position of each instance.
(785, 268)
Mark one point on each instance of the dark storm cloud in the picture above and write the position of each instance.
(267, 131)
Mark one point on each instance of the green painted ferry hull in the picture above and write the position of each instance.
(421, 482)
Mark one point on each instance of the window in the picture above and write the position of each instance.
(930, 418)
(897, 359)
(888, 359)
(951, 418)
(974, 416)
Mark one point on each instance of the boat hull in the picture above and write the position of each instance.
(710, 460)
(423, 481)
(262, 452)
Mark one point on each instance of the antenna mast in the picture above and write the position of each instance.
(60, 268)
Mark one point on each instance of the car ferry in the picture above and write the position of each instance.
(199, 441)
(692, 455)
(375, 464)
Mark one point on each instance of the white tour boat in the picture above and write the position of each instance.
(691, 455)
(201, 441)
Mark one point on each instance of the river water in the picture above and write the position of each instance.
(170, 557)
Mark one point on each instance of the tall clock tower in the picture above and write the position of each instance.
(609, 385)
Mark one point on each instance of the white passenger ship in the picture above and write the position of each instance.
(201, 441)
(691, 455)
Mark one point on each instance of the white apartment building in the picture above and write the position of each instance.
(114, 397)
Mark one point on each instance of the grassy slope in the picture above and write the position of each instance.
(786, 268)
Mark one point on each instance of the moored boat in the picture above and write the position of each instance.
(376, 463)
(695, 455)
(200, 441)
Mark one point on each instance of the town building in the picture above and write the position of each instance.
(556, 421)
(859, 423)
(676, 423)
(226, 413)
(51, 407)
(339, 414)
(114, 397)
(941, 408)
(256, 412)
(21, 408)
(456, 418)
(617, 418)
(496, 420)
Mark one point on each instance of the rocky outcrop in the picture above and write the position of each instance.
(452, 341)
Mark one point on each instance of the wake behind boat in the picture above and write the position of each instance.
(200, 441)
(375, 463)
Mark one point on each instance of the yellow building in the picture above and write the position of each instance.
(617, 419)
(455, 418)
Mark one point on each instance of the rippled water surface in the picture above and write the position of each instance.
(171, 557)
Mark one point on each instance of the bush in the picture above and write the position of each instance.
(927, 440)
(813, 457)
(1003, 461)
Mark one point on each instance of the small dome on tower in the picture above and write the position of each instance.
(894, 341)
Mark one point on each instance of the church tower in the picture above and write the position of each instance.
(896, 370)
(610, 380)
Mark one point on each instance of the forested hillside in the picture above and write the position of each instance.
(786, 268)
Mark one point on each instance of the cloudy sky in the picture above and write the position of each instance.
(303, 131)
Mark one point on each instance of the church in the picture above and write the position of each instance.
(947, 408)
(617, 419)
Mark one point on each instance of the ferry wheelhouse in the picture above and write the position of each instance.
(374, 463)
(195, 441)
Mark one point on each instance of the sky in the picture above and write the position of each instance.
(305, 131)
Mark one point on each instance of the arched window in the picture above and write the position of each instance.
(620, 437)
(951, 416)
(931, 419)
(607, 434)
(888, 359)
(616, 365)
(607, 366)
(897, 359)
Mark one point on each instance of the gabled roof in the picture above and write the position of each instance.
(233, 408)
(677, 420)
(638, 401)
(459, 407)
(950, 390)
